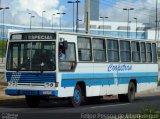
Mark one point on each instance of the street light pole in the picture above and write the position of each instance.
(52, 20)
(73, 11)
(77, 16)
(31, 22)
(42, 18)
(128, 9)
(136, 26)
(103, 22)
(60, 18)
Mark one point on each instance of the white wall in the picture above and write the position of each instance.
(150, 34)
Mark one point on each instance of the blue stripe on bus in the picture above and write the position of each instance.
(106, 75)
(70, 80)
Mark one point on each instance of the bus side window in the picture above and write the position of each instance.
(149, 52)
(143, 52)
(69, 62)
(154, 52)
(99, 50)
(125, 51)
(84, 49)
(113, 50)
(135, 51)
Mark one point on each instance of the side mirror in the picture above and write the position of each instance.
(65, 44)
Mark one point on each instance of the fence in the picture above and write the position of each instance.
(2, 66)
(3, 46)
(2, 80)
(2, 50)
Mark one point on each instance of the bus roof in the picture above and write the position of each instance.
(78, 34)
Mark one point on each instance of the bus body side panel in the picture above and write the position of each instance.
(109, 79)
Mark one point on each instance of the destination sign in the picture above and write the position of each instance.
(40, 36)
(34, 36)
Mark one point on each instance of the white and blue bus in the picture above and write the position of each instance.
(93, 66)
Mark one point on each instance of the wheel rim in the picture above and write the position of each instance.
(77, 96)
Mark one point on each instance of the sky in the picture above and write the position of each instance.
(144, 10)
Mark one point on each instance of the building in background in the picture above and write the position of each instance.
(95, 26)
(111, 29)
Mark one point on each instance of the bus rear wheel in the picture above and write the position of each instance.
(32, 101)
(131, 92)
(130, 96)
(76, 99)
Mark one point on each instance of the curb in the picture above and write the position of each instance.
(150, 91)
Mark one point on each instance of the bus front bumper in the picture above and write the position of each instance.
(16, 92)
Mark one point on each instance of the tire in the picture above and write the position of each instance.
(130, 96)
(32, 101)
(131, 92)
(76, 100)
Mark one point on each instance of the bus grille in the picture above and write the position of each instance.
(31, 77)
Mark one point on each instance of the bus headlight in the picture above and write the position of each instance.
(46, 84)
(49, 84)
(12, 83)
(9, 83)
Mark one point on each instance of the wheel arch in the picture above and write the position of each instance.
(82, 85)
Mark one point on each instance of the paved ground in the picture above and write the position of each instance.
(61, 109)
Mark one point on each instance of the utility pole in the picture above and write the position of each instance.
(156, 20)
(87, 16)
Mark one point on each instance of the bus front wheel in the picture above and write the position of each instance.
(32, 101)
(76, 99)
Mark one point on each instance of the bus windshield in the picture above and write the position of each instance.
(31, 56)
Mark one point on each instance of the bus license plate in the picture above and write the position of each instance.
(47, 92)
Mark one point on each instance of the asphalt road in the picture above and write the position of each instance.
(61, 109)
